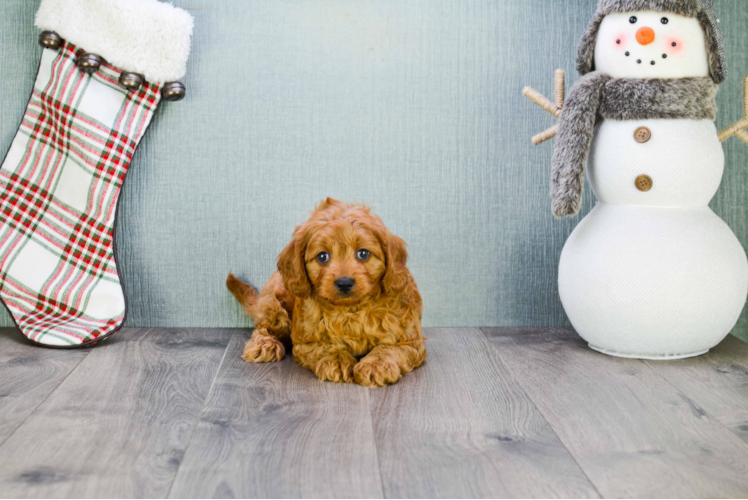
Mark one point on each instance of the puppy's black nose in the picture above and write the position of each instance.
(344, 284)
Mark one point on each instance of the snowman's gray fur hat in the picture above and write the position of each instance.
(703, 10)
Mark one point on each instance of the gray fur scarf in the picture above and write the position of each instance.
(596, 96)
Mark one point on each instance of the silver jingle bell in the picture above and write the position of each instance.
(173, 91)
(130, 81)
(89, 63)
(50, 40)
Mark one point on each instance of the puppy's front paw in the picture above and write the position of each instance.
(336, 367)
(263, 349)
(373, 372)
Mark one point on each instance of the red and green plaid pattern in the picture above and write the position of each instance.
(59, 186)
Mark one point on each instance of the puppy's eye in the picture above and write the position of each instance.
(362, 254)
(664, 20)
(323, 257)
(633, 19)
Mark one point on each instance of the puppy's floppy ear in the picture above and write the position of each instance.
(396, 274)
(292, 265)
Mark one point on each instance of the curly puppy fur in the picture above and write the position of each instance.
(370, 335)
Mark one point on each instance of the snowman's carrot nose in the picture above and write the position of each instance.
(645, 36)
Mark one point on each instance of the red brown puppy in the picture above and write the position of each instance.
(345, 297)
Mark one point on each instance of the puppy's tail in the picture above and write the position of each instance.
(244, 293)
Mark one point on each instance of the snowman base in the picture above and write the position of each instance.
(663, 357)
(653, 282)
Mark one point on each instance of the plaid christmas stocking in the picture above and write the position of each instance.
(100, 81)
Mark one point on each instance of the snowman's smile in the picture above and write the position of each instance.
(642, 58)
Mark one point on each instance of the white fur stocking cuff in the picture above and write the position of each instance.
(140, 36)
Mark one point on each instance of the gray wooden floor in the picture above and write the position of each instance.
(492, 413)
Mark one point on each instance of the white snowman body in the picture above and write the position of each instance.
(653, 273)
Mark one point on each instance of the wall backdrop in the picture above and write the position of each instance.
(413, 107)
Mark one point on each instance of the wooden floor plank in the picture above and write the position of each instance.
(460, 426)
(717, 381)
(119, 424)
(28, 375)
(633, 433)
(273, 430)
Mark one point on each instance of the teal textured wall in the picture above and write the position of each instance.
(411, 106)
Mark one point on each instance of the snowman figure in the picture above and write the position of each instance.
(651, 272)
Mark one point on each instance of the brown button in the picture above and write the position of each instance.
(642, 135)
(643, 183)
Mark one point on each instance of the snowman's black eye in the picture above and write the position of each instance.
(674, 44)
(664, 20)
(633, 19)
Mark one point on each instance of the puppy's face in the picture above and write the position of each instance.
(344, 262)
(342, 255)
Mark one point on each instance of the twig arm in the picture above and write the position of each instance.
(541, 101)
(742, 135)
(738, 128)
(554, 108)
(733, 129)
(545, 135)
(560, 88)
